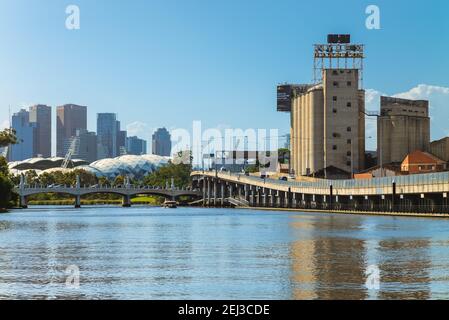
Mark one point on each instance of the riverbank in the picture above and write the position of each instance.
(136, 201)
(360, 213)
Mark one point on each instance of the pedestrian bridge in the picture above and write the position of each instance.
(126, 191)
(421, 193)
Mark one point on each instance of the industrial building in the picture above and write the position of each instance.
(402, 128)
(440, 148)
(327, 117)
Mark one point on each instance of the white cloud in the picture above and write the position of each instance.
(138, 128)
(437, 96)
(424, 92)
(4, 124)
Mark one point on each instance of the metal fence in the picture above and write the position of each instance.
(401, 181)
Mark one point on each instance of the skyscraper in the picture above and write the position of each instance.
(40, 115)
(161, 142)
(121, 140)
(136, 146)
(107, 135)
(85, 145)
(402, 128)
(69, 118)
(26, 134)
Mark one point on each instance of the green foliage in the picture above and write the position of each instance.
(179, 172)
(283, 155)
(6, 186)
(7, 137)
(62, 178)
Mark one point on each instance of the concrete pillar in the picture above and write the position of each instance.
(294, 201)
(208, 192)
(278, 199)
(204, 191)
(264, 197)
(215, 192)
(78, 201)
(126, 201)
(222, 195)
(23, 202)
(272, 197)
(246, 192)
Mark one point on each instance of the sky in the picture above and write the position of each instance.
(168, 63)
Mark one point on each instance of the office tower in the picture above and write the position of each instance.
(402, 128)
(107, 135)
(161, 142)
(327, 117)
(84, 145)
(136, 146)
(121, 141)
(40, 115)
(69, 118)
(26, 135)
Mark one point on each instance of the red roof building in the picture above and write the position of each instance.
(422, 162)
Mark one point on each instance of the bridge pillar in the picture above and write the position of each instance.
(260, 197)
(246, 192)
(204, 191)
(223, 195)
(78, 201)
(272, 198)
(126, 201)
(215, 192)
(208, 192)
(278, 199)
(264, 197)
(23, 202)
(294, 200)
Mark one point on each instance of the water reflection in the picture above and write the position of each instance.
(332, 254)
(150, 253)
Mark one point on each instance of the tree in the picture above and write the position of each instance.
(7, 137)
(179, 172)
(6, 186)
(283, 155)
(5, 192)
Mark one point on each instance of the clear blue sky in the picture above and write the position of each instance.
(167, 63)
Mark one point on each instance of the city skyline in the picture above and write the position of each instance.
(33, 127)
(242, 69)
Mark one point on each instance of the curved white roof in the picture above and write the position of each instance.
(130, 165)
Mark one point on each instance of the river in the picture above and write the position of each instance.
(195, 253)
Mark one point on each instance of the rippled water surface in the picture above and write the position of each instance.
(194, 253)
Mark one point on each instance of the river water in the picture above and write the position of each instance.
(195, 253)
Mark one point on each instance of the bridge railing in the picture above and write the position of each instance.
(401, 181)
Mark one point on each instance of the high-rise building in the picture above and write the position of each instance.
(161, 142)
(136, 146)
(121, 140)
(40, 115)
(69, 118)
(26, 135)
(402, 128)
(84, 144)
(327, 117)
(107, 135)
